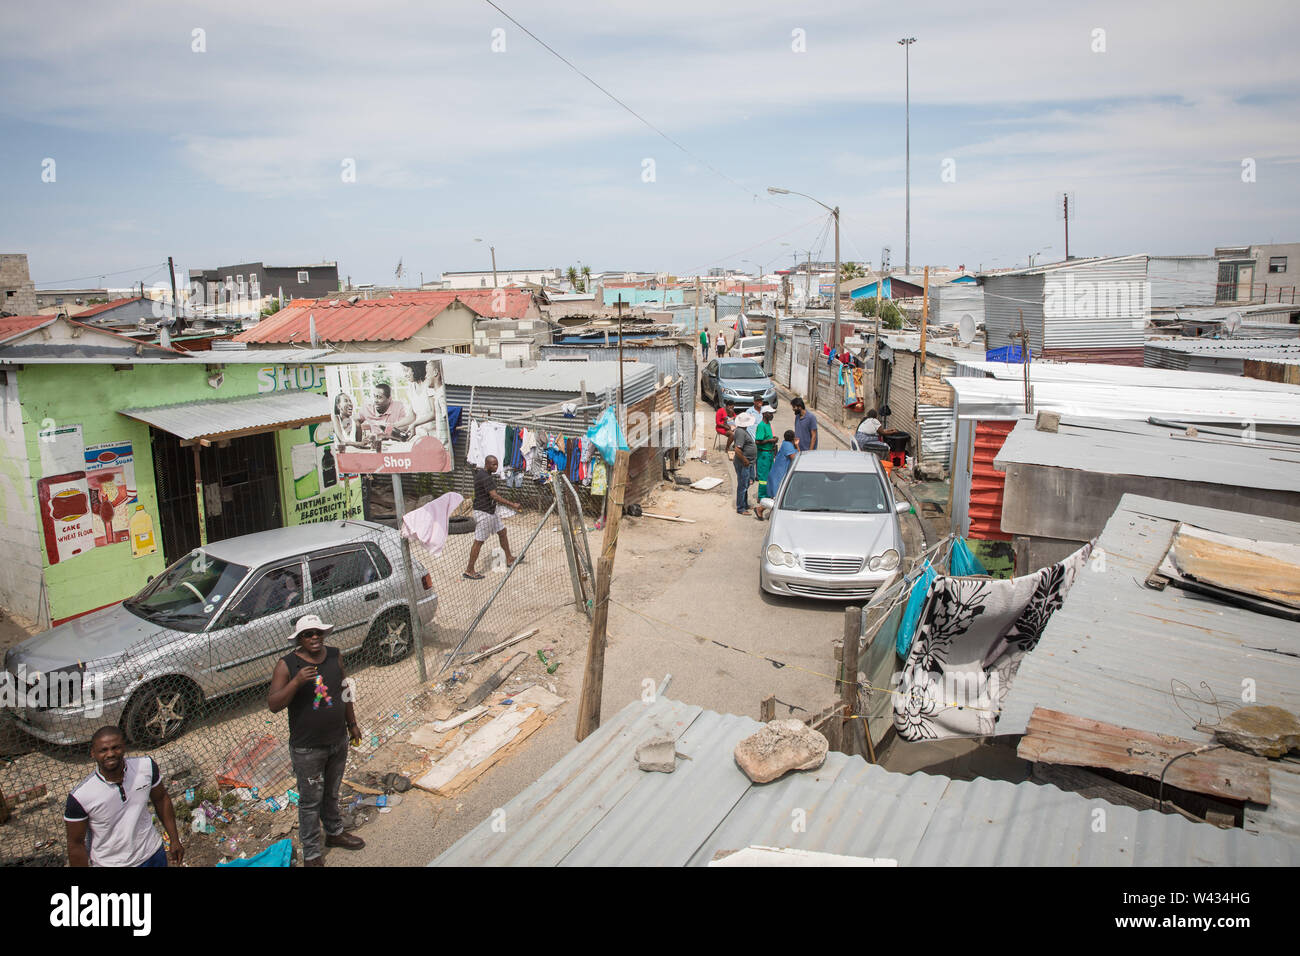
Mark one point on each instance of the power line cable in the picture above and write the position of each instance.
(649, 125)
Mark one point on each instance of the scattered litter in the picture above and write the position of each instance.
(706, 484)
(550, 667)
(259, 760)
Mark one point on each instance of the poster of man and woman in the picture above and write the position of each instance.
(389, 417)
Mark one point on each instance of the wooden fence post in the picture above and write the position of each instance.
(594, 676)
(849, 679)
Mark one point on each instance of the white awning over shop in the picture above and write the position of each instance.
(230, 417)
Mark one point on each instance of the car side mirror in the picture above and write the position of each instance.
(902, 507)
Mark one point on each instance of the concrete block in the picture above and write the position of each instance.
(1048, 421)
(657, 755)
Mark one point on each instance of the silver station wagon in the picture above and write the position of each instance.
(834, 531)
(216, 621)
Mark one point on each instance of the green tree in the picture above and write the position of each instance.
(572, 275)
(851, 270)
(272, 307)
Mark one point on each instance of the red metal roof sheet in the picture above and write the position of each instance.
(371, 320)
(489, 303)
(105, 306)
(986, 484)
(14, 325)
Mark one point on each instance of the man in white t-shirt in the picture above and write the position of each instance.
(108, 813)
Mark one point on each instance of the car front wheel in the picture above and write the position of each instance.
(160, 711)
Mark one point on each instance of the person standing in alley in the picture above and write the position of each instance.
(310, 682)
(746, 453)
(722, 344)
(486, 520)
(107, 815)
(805, 425)
(704, 345)
(765, 442)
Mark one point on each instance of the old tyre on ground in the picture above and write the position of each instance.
(160, 711)
(390, 637)
(461, 525)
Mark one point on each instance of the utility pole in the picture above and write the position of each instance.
(178, 325)
(493, 250)
(835, 328)
(925, 312)
(906, 44)
(1065, 209)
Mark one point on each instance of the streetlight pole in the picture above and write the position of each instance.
(906, 44)
(493, 250)
(835, 213)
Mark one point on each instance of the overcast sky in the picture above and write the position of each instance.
(239, 152)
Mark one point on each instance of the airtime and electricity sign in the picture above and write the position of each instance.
(389, 417)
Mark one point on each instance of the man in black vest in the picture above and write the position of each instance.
(311, 683)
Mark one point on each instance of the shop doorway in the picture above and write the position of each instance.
(241, 490)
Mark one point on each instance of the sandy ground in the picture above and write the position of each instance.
(675, 587)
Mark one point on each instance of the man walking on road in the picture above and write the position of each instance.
(805, 425)
(311, 683)
(108, 814)
(486, 520)
(746, 454)
(704, 345)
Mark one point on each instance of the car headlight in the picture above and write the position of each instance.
(885, 561)
(778, 557)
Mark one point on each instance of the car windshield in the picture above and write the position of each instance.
(741, 370)
(187, 595)
(839, 492)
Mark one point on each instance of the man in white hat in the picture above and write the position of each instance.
(310, 682)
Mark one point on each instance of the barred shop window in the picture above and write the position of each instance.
(1277, 264)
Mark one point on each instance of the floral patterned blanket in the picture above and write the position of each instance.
(973, 634)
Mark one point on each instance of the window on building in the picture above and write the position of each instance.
(239, 284)
(461, 349)
(482, 283)
(1277, 263)
(302, 277)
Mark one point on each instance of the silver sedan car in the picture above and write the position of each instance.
(214, 623)
(834, 531)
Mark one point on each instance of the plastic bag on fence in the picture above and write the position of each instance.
(606, 435)
(259, 761)
(912, 613)
(962, 561)
(277, 854)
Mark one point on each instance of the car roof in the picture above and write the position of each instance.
(837, 460)
(253, 550)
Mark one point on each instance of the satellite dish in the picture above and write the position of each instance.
(1233, 322)
(966, 329)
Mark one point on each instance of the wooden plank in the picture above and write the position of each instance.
(849, 679)
(483, 750)
(502, 646)
(1266, 569)
(1056, 738)
(767, 709)
(594, 675)
(492, 683)
(647, 514)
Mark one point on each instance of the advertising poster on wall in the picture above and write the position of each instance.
(110, 476)
(389, 418)
(65, 515)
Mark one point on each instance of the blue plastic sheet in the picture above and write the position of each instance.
(607, 436)
(962, 561)
(1008, 353)
(277, 854)
(912, 613)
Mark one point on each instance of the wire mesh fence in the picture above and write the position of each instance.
(183, 667)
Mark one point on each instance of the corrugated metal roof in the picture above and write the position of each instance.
(1068, 264)
(191, 420)
(15, 326)
(1136, 448)
(991, 399)
(370, 320)
(1115, 649)
(1089, 373)
(594, 807)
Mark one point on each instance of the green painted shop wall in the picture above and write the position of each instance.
(90, 396)
(317, 502)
